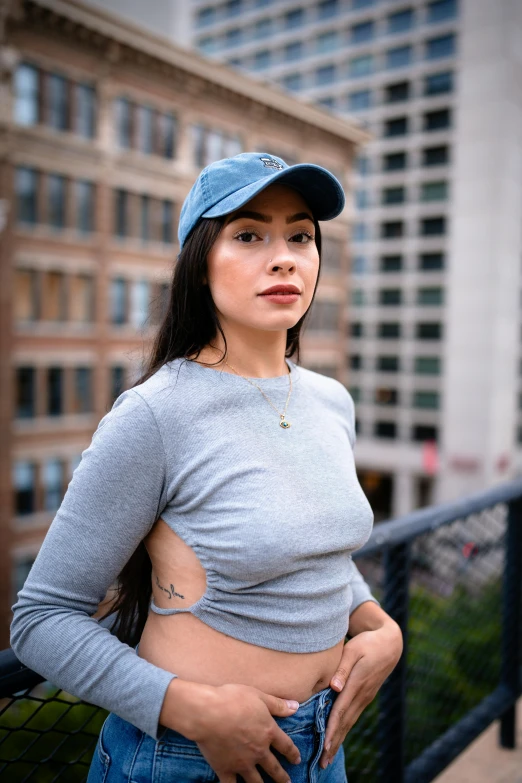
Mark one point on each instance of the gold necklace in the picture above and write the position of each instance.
(283, 423)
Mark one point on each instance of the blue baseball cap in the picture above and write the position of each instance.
(227, 184)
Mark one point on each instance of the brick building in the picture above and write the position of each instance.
(103, 129)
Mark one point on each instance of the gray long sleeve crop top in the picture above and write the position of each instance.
(273, 514)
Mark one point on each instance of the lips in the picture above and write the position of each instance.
(281, 289)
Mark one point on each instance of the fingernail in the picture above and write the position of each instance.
(337, 683)
(298, 760)
(293, 705)
(328, 745)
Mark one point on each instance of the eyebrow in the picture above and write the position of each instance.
(247, 213)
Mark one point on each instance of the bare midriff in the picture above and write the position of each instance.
(183, 644)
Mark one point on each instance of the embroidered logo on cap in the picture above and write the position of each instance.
(271, 163)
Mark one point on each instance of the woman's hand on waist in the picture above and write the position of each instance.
(367, 660)
(233, 727)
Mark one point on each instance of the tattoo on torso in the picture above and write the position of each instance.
(170, 592)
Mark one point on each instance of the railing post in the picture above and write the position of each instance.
(392, 696)
(511, 618)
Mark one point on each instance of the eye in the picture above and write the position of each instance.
(303, 238)
(245, 237)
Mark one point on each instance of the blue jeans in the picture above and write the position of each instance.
(125, 754)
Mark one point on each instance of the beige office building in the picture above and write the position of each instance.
(103, 130)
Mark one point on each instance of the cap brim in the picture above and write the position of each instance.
(321, 190)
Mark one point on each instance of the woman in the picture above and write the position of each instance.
(226, 490)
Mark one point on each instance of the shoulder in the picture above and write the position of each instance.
(329, 389)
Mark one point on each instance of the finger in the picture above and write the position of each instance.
(253, 776)
(348, 661)
(280, 707)
(275, 771)
(286, 746)
(226, 778)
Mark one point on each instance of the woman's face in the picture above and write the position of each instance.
(268, 241)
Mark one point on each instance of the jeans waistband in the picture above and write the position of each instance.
(312, 712)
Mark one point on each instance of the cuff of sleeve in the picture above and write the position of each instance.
(149, 720)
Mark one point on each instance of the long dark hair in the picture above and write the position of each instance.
(189, 324)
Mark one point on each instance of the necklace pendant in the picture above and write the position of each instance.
(284, 424)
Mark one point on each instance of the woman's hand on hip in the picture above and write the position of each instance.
(367, 660)
(233, 727)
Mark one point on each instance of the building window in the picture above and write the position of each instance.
(389, 330)
(360, 233)
(53, 296)
(81, 301)
(428, 400)
(120, 213)
(52, 475)
(385, 429)
(24, 484)
(261, 60)
(438, 83)
(263, 28)
(361, 199)
(427, 365)
(325, 75)
(394, 161)
(434, 191)
(386, 396)
(395, 195)
(429, 331)
(167, 132)
(429, 262)
(145, 129)
(439, 10)
(85, 110)
(435, 156)
(400, 21)
(395, 93)
(144, 218)
(83, 389)
(57, 108)
(293, 51)
(22, 569)
(292, 81)
(444, 46)
(205, 16)
(139, 304)
(25, 392)
(26, 95)
(392, 229)
(398, 126)
(324, 316)
(355, 393)
(391, 263)
(358, 297)
(331, 254)
(359, 265)
(429, 296)
(122, 110)
(208, 44)
(233, 36)
(388, 364)
(210, 145)
(294, 18)
(422, 432)
(357, 101)
(363, 166)
(356, 362)
(364, 31)
(433, 226)
(362, 4)
(118, 301)
(117, 382)
(327, 42)
(356, 329)
(327, 8)
(360, 66)
(399, 57)
(54, 391)
(26, 299)
(390, 296)
(56, 196)
(233, 8)
(167, 221)
(437, 120)
(26, 195)
(84, 197)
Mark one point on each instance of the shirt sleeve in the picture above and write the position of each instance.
(113, 499)
(360, 589)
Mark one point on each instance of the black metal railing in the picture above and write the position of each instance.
(450, 575)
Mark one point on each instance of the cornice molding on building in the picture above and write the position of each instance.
(122, 42)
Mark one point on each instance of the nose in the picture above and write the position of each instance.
(281, 256)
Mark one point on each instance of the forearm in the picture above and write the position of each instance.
(184, 704)
(369, 616)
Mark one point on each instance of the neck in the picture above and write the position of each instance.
(251, 358)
